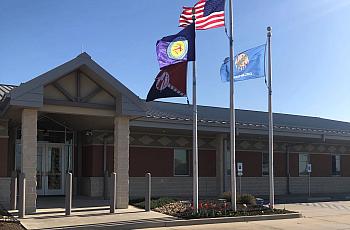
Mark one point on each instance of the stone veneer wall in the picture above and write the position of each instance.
(5, 188)
(298, 185)
(161, 186)
(259, 186)
(319, 185)
(182, 186)
(92, 186)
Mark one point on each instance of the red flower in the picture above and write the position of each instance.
(200, 205)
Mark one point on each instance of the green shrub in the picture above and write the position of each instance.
(242, 199)
(155, 202)
(161, 202)
(247, 199)
(226, 196)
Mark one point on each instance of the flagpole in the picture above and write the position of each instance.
(232, 116)
(195, 140)
(269, 72)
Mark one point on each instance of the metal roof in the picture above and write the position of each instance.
(216, 116)
(5, 89)
(208, 115)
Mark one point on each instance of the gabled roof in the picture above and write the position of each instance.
(5, 90)
(30, 94)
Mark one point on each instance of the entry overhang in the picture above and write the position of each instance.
(32, 93)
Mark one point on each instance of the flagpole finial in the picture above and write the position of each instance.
(269, 29)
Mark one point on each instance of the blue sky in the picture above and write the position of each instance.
(310, 47)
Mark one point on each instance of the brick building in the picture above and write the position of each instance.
(79, 118)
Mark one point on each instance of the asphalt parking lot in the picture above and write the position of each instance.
(316, 215)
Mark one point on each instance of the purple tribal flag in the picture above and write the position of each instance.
(177, 48)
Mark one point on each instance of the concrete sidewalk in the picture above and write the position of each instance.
(100, 218)
(88, 214)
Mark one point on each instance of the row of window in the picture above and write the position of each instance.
(304, 160)
(182, 163)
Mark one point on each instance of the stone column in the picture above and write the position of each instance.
(121, 160)
(220, 163)
(29, 156)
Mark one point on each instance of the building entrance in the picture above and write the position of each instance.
(50, 169)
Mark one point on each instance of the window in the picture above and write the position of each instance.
(303, 161)
(265, 164)
(181, 162)
(335, 165)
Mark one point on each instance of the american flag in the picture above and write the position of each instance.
(209, 14)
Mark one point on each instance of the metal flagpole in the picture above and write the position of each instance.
(269, 73)
(195, 141)
(232, 116)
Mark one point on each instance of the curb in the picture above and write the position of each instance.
(319, 199)
(218, 220)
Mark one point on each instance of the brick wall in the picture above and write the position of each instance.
(92, 161)
(3, 156)
(280, 164)
(321, 165)
(157, 161)
(294, 164)
(160, 162)
(252, 163)
(344, 165)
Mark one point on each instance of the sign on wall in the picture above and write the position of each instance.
(240, 169)
(308, 168)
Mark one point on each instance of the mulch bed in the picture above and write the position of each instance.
(7, 221)
(207, 209)
(10, 226)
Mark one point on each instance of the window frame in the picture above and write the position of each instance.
(262, 164)
(335, 155)
(305, 173)
(188, 152)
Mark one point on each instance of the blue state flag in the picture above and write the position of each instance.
(249, 64)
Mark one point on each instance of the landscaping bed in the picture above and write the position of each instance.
(209, 208)
(7, 221)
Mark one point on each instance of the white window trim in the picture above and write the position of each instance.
(174, 170)
(262, 165)
(333, 175)
(308, 162)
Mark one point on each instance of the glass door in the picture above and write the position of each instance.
(54, 179)
(40, 173)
